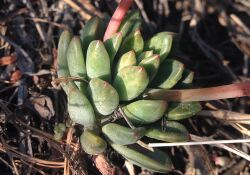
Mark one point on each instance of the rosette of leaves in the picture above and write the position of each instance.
(105, 83)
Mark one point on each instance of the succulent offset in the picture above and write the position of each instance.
(105, 86)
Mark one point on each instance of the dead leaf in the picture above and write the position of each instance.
(199, 162)
(15, 76)
(6, 60)
(103, 165)
(43, 105)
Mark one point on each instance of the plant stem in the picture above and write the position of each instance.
(203, 94)
(117, 18)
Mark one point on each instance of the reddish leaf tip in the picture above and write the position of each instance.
(119, 34)
(140, 68)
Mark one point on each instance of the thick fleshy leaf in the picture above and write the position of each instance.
(65, 38)
(130, 23)
(92, 143)
(179, 111)
(145, 111)
(144, 55)
(132, 42)
(188, 77)
(175, 44)
(157, 160)
(161, 44)
(169, 74)
(59, 130)
(63, 70)
(122, 135)
(112, 45)
(186, 80)
(79, 107)
(151, 64)
(58, 136)
(76, 63)
(127, 59)
(130, 82)
(173, 132)
(103, 96)
(90, 32)
(98, 62)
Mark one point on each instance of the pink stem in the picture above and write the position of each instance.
(203, 94)
(117, 18)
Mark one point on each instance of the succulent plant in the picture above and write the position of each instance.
(105, 83)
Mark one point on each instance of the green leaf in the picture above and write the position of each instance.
(144, 55)
(130, 23)
(179, 111)
(145, 111)
(122, 135)
(130, 82)
(63, 70)
(90, 32)
(104, 97)
(169, 74)
(76, 63)
(63, 44)
(98, 62)
(175, 44)
(92, 143)
(80, 109)
(161, 44)
(127, 59)
(59, 130)
(112, 45)
(157, 160)
(186, 80)
(151, 64)
(173, 132)
(132, 42)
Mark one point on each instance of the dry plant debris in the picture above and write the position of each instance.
(215, 37)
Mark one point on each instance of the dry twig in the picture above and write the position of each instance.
(228, 116)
